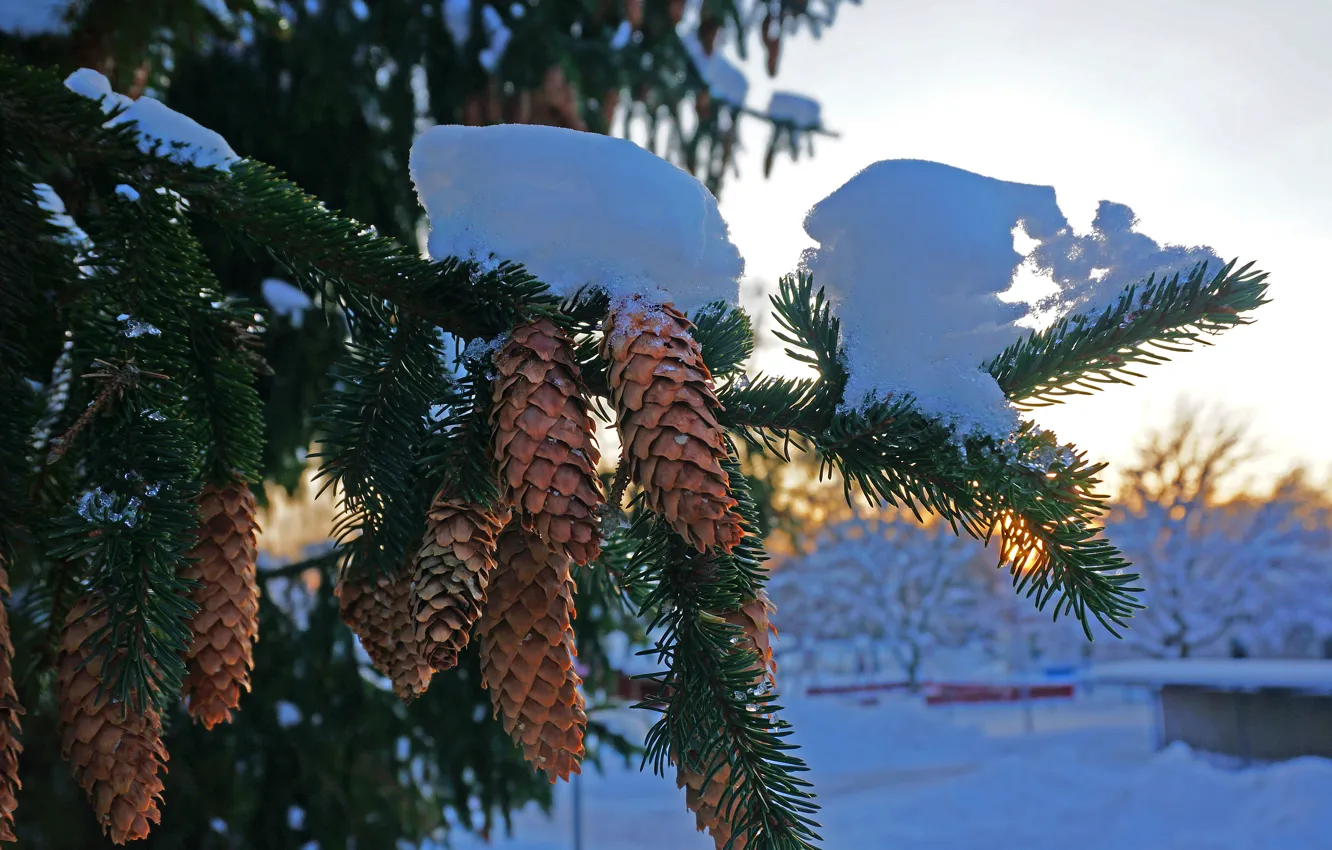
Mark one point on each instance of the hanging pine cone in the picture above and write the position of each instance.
(666, 406)
(633, 12)
(610, 101)
(10, 709)
(452, 573)
(527, 653)
(408, 667)
(703, 795)
(115, 754)
(544, 440)
(708, 27)
(226, 625)
(772, 42)
(363, 615)
(379, 613)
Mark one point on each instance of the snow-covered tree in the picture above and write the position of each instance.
(1215, 569)
(573, 276)
(910, 587)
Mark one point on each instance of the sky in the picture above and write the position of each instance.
(1212, 119)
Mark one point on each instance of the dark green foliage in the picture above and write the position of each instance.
(1081, 354)
(457, 450)
(726, 336)
(374, 429)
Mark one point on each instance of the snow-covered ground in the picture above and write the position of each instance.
(899, 776)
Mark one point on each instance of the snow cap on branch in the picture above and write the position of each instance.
(176, 136)
(725, 81)
(796, 109)
(916, 253)
(577, 209)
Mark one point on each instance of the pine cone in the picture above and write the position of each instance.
(703, 795)
(708, 27)
(452, 572)
(115, 754)
(10, 709)
(226, 625)
(380, 614)
(666, 406)
(527, 653)
(544, 440)
(772, 42)
(363, 614)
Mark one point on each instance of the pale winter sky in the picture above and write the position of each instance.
(1212, 119)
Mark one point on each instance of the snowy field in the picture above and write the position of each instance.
(900, 776)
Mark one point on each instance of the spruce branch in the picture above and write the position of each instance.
(457, 452)
(772, 413)
(715, 709)
(258, 206)
(813, 333)
(374, 430)
(133, 528)
(1042, 497)
(726, 336)
(1081, 354)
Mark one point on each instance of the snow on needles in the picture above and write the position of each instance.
(176, 136)
(795, 109)
(916, 254)
(577, 209)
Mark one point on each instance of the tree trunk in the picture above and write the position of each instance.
(913, 671)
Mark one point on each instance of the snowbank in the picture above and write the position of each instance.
(895, 775)
(175, 136)
(576, 209)
(1220, 673)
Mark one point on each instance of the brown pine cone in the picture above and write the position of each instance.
(527, 653)
(115, 754)
(408, 667)
(362, 613)
(772, 42)
(379, 612)
(666, 406)
(703, 795)
(633, 12)
(226, 625)
(10, 709)
(708, 27)
(544, 440)
(452, 572)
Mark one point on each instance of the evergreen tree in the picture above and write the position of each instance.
(369, 75)
(135, 434)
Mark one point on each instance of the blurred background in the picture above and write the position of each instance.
(936, 707)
